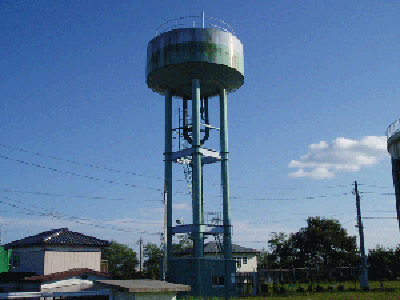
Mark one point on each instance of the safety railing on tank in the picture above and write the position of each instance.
(194, 22)
(393, 128)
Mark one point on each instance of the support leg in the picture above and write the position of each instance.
(168, 179)
(225, 192)
(196, 183)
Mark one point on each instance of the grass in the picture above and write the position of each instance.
(375, 293)
(391, 291)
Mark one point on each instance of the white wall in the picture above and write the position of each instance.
(60, 261)
(251, 265)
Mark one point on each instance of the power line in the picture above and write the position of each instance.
(70, 218)
(138, 174)
(79, 163)
(62, 195)
(78, 175)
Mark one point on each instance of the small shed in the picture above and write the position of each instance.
(4, 259)
(142, 289)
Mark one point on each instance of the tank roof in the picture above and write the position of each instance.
(194, 22)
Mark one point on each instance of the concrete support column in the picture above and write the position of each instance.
(396, 184)
(225, 189)
(196, 183)
(168, 177)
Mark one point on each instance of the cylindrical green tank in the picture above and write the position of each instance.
(5, 256)
(213, 56)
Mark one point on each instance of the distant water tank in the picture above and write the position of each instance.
(212, 55)
(393, 146)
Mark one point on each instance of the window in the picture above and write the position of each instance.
(218, 281)
(244, 260)
(238, 262)
(16, 261)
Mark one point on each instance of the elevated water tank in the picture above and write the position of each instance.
(212, 55)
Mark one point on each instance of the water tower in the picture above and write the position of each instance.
(194, 59)
(393, 146)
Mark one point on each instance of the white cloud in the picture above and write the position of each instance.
(324, 160)
(181, 206)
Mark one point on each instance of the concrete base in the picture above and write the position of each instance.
(182, 271)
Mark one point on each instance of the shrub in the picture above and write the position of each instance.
(319, 288)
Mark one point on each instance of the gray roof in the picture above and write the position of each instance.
(211, 247)
(144, 286)
(60, 236)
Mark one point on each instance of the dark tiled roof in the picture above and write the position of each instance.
(144, 286)
(211, 247)
(60, 236)
(65, 274)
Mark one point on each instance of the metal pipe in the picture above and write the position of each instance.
(196, 182)
(185, 125)
(168, 177)
(225, 189)
(206, 121)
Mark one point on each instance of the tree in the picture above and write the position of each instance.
(281, 256)
(324, 244)
(121, 261)
(184, 243)
(383, 263)
(262, 260)
(154, 255)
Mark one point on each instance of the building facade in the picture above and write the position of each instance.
(54, 251)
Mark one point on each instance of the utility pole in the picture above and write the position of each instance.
(140, 254)
(363, 267)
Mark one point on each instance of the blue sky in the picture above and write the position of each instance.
(321, 87)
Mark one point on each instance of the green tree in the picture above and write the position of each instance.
(324, 244)
(121, 261)
(266, 260)
(184, 243)
(281, 252)
(383, 264)
(154, 254)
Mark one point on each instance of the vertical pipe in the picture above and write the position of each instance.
(225, 189)
(202, 196)
(202, 15)
(168, 177)
(196, 182)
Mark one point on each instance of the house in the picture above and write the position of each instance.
(246, 265)
(54, 251)
(55, 261)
